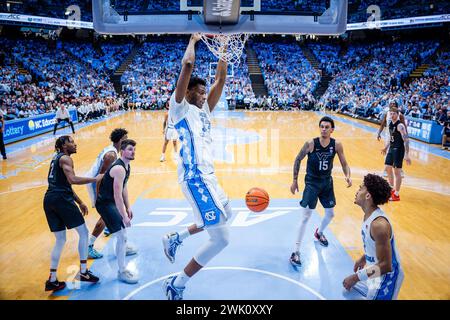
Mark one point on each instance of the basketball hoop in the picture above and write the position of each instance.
(235, 46)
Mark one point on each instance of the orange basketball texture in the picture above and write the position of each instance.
(257, 199)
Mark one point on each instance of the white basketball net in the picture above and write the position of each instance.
(235, 42)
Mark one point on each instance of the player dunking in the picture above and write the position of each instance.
(378, 273)
(170, 134)
(62, 213)
(104, 160)
(190, 110)
(318, 181)
(114, 207)
(398, 149)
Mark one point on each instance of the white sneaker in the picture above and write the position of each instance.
(163, 158)
(127, 276)
(130, 250)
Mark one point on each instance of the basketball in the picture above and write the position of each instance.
(257, 199)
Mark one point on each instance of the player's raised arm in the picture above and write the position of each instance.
(344, 164)
(216, 89)
(186, 68)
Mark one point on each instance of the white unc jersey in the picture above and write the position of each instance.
(387, 286)
(95, 170)
(193, 126)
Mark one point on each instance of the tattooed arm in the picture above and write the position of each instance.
(401, 128)
(307, 148)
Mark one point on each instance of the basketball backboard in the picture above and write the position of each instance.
(319, 17)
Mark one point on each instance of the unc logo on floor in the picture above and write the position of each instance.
(164, 216)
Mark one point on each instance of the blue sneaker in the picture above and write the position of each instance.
(171, 241)
(94, 254)
(106, 232)
(172, 292)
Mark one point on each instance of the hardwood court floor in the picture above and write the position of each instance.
(256, 149)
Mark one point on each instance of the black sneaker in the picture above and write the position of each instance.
(55, 285)
(295, 259)
(321, 238)
(88, 276)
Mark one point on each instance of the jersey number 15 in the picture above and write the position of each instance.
(323, 165)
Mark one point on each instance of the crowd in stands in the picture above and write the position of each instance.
(428, 97)
(238, 87)
(366, 77)
(121, 6)
(174, 5)
(293, 6)
(394, 9)
(48, 8)
(104, 59)
(289, 77)
(366, 87)
(53, 78)
(327, 55)
(150, 79)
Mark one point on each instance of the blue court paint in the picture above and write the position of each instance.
(254, 266)
(417, 145)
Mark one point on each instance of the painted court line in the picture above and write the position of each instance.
(235, 209)
(313, 292)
